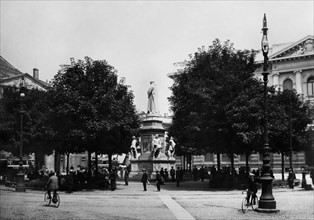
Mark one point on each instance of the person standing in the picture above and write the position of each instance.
(202, 173)
(112, 177)
(195, 173)
(126, 176)
(158, 180)
(291, 178)
(144, 179)
(213, 172)
(162, 174)
(166, 175)
(178, 176)
(172, 174)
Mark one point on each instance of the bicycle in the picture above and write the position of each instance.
(55, 199)
(253, 202)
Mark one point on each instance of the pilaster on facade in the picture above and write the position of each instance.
(298, 81)
(276, 80)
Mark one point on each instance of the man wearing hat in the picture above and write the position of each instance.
(252, 187)
(144, 179)
(291, 178)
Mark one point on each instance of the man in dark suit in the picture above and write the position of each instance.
(52, 185)
(158, 180)
(144, 179)
(178, 176)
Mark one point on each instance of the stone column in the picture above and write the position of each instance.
(298, 81)
(276, 80)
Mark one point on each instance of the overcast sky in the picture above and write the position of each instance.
(141, 39)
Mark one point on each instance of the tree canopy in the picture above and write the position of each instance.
(90, 110)
(203, 93)
(36, 134)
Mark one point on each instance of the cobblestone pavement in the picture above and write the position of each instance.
(192, 200)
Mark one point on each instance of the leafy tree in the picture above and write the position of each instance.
(288, 107)
(91, 110)
(35, 132)
(202, 94)
(246, 113)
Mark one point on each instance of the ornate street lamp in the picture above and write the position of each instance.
(267, 201)
(20, 187)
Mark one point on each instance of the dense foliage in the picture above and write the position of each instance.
(36, 134)
(204, 96)
(90, 110)
(218, 106)
(85, 109)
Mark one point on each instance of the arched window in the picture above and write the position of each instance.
(287, 84)
(310, 86)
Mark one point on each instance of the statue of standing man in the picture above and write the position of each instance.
(152, 106)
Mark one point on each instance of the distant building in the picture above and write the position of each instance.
(10, 76)
(291, 66)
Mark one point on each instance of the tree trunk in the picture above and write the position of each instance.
(282, 165)
(89, 165)
(96, 164)
(190, 162)
(39, 160)
(57, 162)
(218, 161)
(110, 161)
(67, 167)
(232, 168)
(247, 162)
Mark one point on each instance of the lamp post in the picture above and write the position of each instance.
(20, 187)
(267, 201)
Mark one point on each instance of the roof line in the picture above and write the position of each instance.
(291, 46)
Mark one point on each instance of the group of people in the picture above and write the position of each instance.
(162, 176)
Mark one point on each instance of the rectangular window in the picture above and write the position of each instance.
(209, 157)
(225, 158)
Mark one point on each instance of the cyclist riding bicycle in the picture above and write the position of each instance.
(52, 185)
(252, 187)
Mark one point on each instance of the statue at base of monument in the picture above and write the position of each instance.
(171, 149)
(133, 147)
(156, 146)
(152, 105)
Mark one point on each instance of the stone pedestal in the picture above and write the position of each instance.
(152, 125)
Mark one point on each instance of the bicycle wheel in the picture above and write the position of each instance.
(244, 205)
(57, 202)
(46, 200)
(254, 201)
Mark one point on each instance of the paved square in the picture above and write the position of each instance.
(192, 200)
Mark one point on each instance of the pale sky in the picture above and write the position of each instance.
(141, 39)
